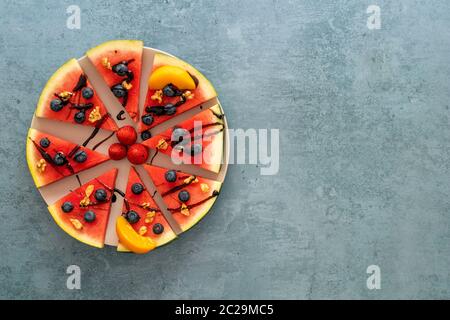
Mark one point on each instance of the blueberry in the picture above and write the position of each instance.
(79, 117)
(59, 159)
(145, 135)
(184, 196)
(170, 109)
(180, 136)
(196, 149)
(119, 91)
(87, 93)
(169, 91)
(80, 156)
(44, 142)
(56, 105)
(137, 188)
(89, 216)
(158, 228)
(67, 206)
(121, 69)
(101, 195)
(147, 119)
(170, 175)
(132, 216)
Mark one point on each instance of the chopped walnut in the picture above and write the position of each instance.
(190, 179)
(150, 216)
(85, 201)
(162, 145)
(127, 85)
(40, 165)
(65, 95)
(204, 187)
(184, 210)
(95, 115)
(77, 224)
(89, 190)
(145, 205)
(188, 95)
(157, 96)
(142, 230)
(106, 63)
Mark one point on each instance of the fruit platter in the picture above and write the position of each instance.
(128, 146)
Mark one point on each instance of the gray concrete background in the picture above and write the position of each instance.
(364, 172)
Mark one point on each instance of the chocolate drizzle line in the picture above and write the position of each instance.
(104, 140)
(113, 191)
(214, 194)
(120, 116)
(179, 187)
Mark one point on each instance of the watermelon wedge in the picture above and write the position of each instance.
(188, 197)
(84, 212)
(51, 159)
(69, 97)
(119, 62)
(164, 99)
(151, 222)
(198, 140)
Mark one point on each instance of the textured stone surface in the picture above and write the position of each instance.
(364, 146)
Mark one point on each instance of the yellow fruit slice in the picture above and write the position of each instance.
(131, 239)
(171, 74)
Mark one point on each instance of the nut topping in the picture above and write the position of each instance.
(95, 115)
(157, 96)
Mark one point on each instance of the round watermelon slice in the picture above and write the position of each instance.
(51, 159)
(151, 222)
(98, 212)
(119, 62)
(156, 99)
(68, 96)
(198, 140)
(84, 213)
(202, 193)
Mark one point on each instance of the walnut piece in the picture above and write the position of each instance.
(95, 115)
(157, 96)
(188, 95)
(190, 179)
(127, 85)
(106, 63)
(77, 224)
(184, 210)
(40, 165)
(65, 95)
(142, 230)
(204, 187)
(150, 216)
(162, 145)
(85, 201)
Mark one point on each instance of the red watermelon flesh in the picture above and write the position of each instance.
(202, 93)
(83, 199)
(152, 222)
(205, 129)
(69, 81)
(41, 160)
(107, 55)
(202, 192)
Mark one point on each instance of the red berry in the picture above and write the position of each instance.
(117, 151)
(137, 154)
(127, 135)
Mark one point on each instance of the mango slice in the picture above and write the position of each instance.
(131, 239)
(171, 74)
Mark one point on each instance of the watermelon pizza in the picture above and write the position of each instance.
(138, 184)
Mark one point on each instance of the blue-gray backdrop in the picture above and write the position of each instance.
(364, 150)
